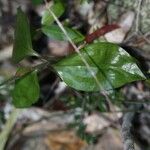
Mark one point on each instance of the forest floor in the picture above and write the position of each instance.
(46, 125)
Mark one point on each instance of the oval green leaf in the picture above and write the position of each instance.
(111, 64)
(26, 90)
(22, 40)
(54, 32)
(57, 8)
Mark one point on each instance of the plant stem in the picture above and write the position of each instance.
(8, 127)
(14, 78)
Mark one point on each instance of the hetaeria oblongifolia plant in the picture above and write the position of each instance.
(109, 65)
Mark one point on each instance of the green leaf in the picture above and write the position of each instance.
(57, 8)
(37, 2)
(22, 42)
(111, 64)
(26, 90)
(54, 32)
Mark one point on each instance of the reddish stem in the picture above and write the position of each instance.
(100, 32)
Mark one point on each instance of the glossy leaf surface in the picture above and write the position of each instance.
(26, 90)
(111, 64)
(22, 42)
(54, 32)
(57, 8)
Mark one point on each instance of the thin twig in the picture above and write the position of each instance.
(136, 32)
(145, 37)
(14, 78)
(138, 16)
(46, 100)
